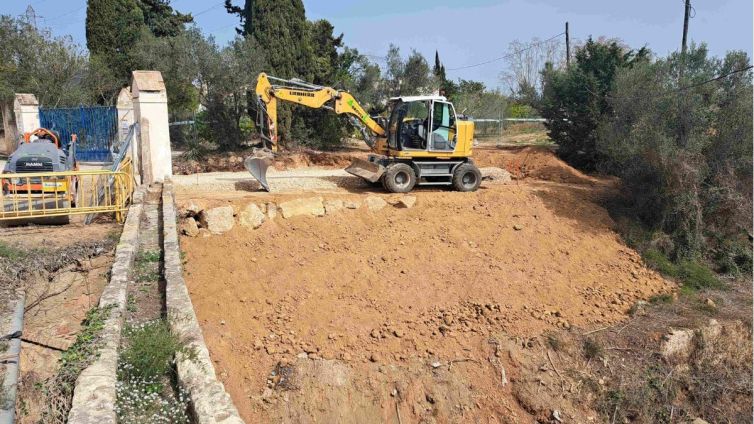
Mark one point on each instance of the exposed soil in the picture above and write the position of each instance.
(429, 314)
(537, 162)
(63, 270)
(233, 161)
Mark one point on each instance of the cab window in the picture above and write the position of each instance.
(409, 126)
(443, 135)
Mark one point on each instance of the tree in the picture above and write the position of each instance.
(417, 76)
(526, 61)
(224, 76)
(112, 28)
(574, 100)
(245, 15)
(699, 190)
(394, 71)
(33, 61)
(161, 19)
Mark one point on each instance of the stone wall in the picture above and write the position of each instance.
(95, 394)
(210, 402)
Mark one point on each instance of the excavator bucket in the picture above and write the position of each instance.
(257, 165)
(369, 171)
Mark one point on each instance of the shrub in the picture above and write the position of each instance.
(574, 100)
(684, 155)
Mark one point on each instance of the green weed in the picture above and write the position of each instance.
(10, 252)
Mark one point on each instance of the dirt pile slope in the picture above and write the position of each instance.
(538, 162)
(360, 316)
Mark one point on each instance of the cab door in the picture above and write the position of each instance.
(443, 134)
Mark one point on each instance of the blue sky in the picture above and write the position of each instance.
(468, 31)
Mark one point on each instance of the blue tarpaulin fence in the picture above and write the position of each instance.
(95, 126)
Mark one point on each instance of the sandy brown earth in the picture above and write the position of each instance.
(414, 315)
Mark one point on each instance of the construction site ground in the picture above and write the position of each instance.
(430, 314)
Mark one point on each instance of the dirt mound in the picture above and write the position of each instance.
(538, 162)
(404, 310)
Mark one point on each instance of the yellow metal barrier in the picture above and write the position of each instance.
(51, 194)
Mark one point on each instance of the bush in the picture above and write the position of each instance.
(574, 100)
(684, 156)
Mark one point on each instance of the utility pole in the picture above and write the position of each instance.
(683, 127)
(568, 46)
(685, 27)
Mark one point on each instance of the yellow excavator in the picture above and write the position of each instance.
(420, 142)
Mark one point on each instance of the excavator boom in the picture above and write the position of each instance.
(270, 89)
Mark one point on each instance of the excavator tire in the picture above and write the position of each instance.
(399, 178)
(467, 177)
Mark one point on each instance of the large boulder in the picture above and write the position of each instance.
(251, 216)
(375, 203)
(498, 175)
(192, 208)
(217, 220)
(308, 206)
(406, 202)
(333, 205)
(189, 227)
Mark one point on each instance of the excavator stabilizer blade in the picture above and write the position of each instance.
(369, 171)
(257, 165)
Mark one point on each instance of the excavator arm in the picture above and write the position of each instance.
(309, 95)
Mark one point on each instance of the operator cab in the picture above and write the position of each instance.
(424, 123)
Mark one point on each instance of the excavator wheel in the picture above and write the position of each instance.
(467, 177)
(399, 178)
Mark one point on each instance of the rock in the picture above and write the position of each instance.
(189, 227)
(374, 357)
(251, 216)
(677, 344)
(699, 421)
(333, 205)
(398, 333)
(307, 206)
(709, 302)
(302, 355)
(712, 330)
(406, 202)
(193, 208)
(436, 364)
(217, 220)
(352, 204)
(375, 203)
(272, 210)
(499, 175)
(518, 227)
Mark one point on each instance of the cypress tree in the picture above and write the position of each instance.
(161, 19)
(112, 27)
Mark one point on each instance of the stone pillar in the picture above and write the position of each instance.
(150, 102)
(125, 106)
(26, 109)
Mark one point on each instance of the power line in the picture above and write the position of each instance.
(505, 56)
(208, 9)
(679, 89)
